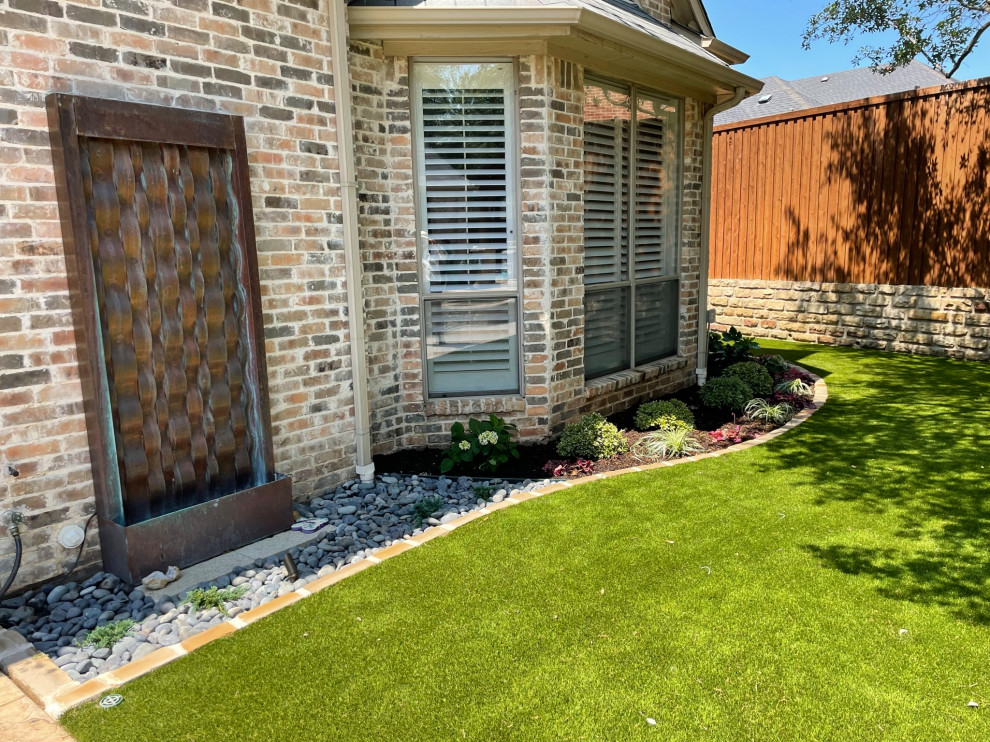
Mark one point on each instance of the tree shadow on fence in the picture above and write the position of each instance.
(899, 194)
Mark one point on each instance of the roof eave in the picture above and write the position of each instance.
(570, 33)
(725, 52)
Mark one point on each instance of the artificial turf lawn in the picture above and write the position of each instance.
(829, 585)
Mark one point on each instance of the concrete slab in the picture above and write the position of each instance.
(211, 569)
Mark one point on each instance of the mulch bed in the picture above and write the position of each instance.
(533, 457)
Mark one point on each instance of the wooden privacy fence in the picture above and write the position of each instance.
(889, 190)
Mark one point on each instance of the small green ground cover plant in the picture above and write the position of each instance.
(753, 375)
(424, 508)
(592, 437)
(106, 636)
(484, 445)
(663, 413)
(845, 598)
(203, 598)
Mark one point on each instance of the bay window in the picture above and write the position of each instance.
(464, 130)
(631, 227)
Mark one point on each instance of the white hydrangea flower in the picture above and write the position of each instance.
(488, 438)
(464, 445)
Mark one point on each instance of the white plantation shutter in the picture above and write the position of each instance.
(631, 176)
(466, 195)
(606, 217)
(654, 251)
(466, 176)
(471, 346)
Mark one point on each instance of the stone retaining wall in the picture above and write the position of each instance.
(929, 320)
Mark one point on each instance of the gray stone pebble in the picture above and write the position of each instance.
(364, 517)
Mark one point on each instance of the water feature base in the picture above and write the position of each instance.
(197, 533)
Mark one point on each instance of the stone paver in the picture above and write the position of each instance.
(22, 721)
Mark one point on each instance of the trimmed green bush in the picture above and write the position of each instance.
(753, 375)
(662, 413)
(592, 437)
(725, 393)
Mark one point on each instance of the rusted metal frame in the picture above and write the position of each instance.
(64, 136)
(132, 549)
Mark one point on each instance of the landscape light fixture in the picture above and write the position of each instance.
(290, 567)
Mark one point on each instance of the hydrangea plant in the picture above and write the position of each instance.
(484, 445)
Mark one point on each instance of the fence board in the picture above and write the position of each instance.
(883, 190)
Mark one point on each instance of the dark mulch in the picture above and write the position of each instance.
(529, 465)
(533, 457)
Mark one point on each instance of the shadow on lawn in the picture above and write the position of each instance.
(904, 438)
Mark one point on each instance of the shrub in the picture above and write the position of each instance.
(662, 414)
(776, 365)
(106, 636)
(760, 409)
(484, 445)
(754, 376)
(483, 492)
(794, 387)
(726, 348)
(203, 599)
(725, 393)
(592, 437)
(668, 444)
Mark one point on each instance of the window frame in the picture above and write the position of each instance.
(514, 223)
(675, 200)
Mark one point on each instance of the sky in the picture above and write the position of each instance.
(770, 32)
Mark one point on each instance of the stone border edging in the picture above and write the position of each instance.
(52, 689)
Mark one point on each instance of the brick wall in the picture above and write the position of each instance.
(551, 102)
(401, 416)
(929, 320)
(659, 9)
(266, 60)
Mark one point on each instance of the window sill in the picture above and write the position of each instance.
(498, 404)
(629, 377)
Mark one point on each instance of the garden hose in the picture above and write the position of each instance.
(15, 522)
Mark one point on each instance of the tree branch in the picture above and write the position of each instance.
(969, 47)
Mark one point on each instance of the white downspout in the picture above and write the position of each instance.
(352, 247)
(706, 228)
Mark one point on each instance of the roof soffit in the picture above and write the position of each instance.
(576, 34)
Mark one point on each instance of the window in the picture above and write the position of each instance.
(631, 227)
(466, 211)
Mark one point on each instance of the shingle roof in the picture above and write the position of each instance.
(824, 90)
(626, 12)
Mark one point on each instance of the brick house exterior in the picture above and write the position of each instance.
(269, 61)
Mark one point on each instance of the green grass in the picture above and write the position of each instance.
(757, 596)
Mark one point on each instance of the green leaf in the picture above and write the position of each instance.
(475, 426)
(457, 430)
(515, 452)
(446, 465)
